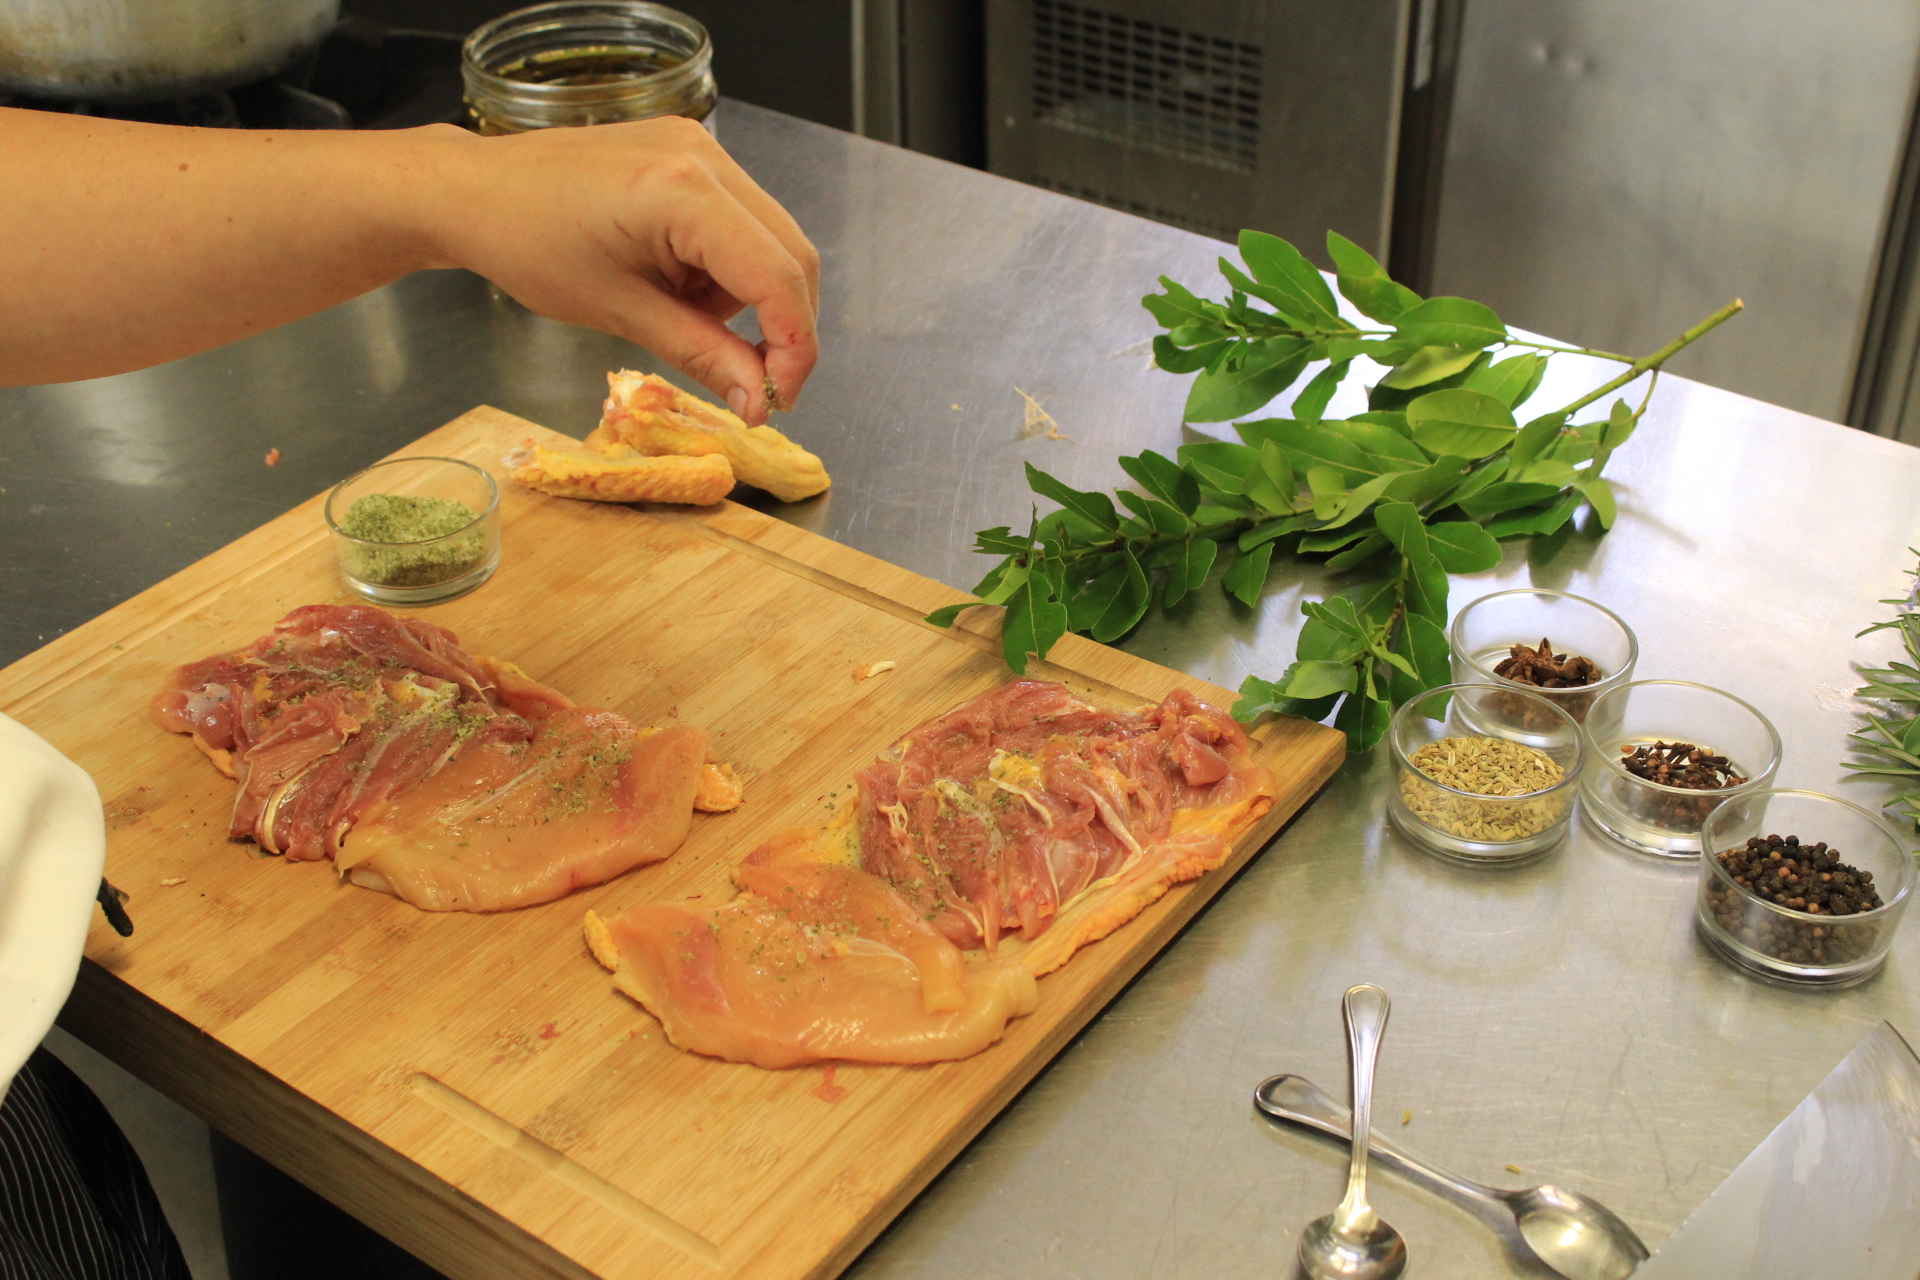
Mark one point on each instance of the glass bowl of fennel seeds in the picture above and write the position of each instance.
(1483, 774)
(415, 531)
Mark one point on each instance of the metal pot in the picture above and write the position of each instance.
(146, 50)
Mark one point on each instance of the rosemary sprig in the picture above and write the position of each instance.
(1891, 742)
(1425, 484)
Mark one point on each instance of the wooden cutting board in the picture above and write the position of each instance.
(472, 1086)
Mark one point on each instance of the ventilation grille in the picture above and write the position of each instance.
(1146, 85)
(1129, 205)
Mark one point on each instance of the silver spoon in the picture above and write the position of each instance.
(1351, 1243)
(1576, 1236)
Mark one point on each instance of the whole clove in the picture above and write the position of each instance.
(1544, 669)
(1808, 880)
(1679, 764)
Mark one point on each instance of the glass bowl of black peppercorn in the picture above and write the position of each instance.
(1801, 887)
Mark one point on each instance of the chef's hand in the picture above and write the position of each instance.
(646, 230)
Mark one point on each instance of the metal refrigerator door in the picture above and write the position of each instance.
(1213, 115)
(1616, 169)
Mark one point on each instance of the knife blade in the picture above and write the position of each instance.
(1833, 1192)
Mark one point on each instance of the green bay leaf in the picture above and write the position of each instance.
(1248, 379)
(1462, 546)
(1428, 365)
(1248, 574)
(1460, 421)
(1450, 322)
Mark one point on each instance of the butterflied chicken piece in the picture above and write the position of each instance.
(1030, 818)
(809, 963)
(986, 847)
(647, 413)
(509, 825)
(347, 715)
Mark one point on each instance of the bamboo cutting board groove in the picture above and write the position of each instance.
(472, 1086)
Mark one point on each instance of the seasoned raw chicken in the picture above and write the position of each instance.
(647, 413)
(992, 841)
(810, 963)
(1027, 815)
(511, 825)
(454, 782)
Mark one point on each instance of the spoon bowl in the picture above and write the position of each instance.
(1327, 1251)
(1574, 1235)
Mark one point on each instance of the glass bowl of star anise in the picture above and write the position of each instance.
(1664, 755)
(1560, 647)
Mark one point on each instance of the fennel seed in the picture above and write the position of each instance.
(1505, 772)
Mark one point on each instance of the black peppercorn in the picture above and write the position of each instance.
(1806, 879)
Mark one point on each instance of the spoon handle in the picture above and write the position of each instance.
(1366, 1008)
(1301, 1101)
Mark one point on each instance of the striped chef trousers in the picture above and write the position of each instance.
(75, 1203)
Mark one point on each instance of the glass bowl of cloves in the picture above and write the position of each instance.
(1562, 648)
(1664, 755)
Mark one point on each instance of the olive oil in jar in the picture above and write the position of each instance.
(581, 67)
(580, 62)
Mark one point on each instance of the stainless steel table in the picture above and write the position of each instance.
(1559, 1017)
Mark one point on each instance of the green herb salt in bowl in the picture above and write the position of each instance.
(415, 531)
(1483, 774)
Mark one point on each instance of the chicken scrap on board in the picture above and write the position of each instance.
(657, 443)
(456, 783)
(984, 849)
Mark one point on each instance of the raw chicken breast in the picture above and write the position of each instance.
(513, 824)
(466, 784)
(998, 817)
(986, 847)
(809, 964)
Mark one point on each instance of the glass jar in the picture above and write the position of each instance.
(1485, 632)
(1483, 827)
(1648, 816)
(577, 62)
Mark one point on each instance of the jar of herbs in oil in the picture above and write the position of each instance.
(413, 531)
(580, 62)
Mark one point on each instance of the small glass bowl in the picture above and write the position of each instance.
(1650, 817)
(1462, 825)
(428, 571)
(1484, 632)
(1797, 946)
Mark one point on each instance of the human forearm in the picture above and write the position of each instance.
(130, 244)
(122, 245)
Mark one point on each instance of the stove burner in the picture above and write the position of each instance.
(364, 75)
